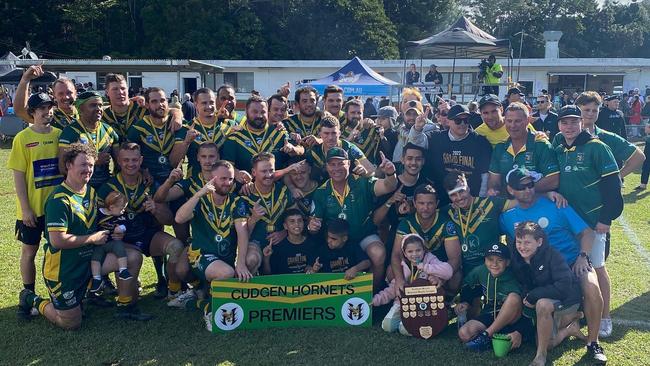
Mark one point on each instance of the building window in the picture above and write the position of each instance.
(243, 82)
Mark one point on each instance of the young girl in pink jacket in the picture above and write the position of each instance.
(416, 263)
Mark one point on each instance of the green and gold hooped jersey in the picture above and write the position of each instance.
(479, 228)
(368, 142)
(441, 230)
(213, 230)
(274, 203)
(73, 213)
(104, 138)
(122, 123)
(295, 124)
(242, 145)
(216, 133)
(138, 220)
(156, 145)
(61, 120)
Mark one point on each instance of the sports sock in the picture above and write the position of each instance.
(40, 304)
(98, 277)
(158, 264)
(174, 286)
(124, 300)
(29, 286)
(122, 269)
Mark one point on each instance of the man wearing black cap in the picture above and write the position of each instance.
(33, 159)
(569, 234)
(91, 130)
(545, 118)
(351, 198)
(492, 76)
(611, 118)
(458, 149)
(523, 148)
(493, 127)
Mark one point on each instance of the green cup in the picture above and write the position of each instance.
(501, 344)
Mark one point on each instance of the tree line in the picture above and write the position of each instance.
(310, 29)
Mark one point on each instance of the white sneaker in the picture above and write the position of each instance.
(182, 299)
(391, 321)
(208, 321)
(605, 328)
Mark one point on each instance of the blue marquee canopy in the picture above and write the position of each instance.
(356, 78)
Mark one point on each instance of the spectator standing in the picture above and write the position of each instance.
(188, 108)
(412, 76)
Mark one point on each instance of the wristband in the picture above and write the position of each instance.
(388, 204)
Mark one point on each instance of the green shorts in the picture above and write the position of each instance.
(66, 295)
(201, 263)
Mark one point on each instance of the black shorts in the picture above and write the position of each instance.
(143, 242)
(524, 326)
(30, 235)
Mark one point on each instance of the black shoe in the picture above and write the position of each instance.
(109, 286)
(161, 290)
(125, 275)
(596, 352)
(24, 308)
(96, 285)
(131, 312)
(99, 301)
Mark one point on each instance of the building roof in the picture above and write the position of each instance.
(119, 65)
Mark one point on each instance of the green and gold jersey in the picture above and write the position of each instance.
(242, 145)
(61, 120)
(122, 122)
(213, 227)
(73, 213)
(217, 133)
(441, 230)
(368, 142)
(479, 228)
(156, 145)
(103, 137)
(304, 203)
(536, 155)
(581, 168)
(355, 205)
(274, 203)
(295, 124)
(138, 220)
(620, 147)
(316, 157)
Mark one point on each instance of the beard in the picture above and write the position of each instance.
(257, 123)
(353, 122)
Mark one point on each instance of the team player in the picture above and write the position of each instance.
(351, 198)
(227, 101)
(476, 217)
(306, 122)
(302, 186)
(523, 149)
(207, 126)
(255, 137)
(219, 234)
(333, 102)
(122, 112)
(297, 252)
(439, 234)
(144, 227)
(358, 131)
(90, 130)
(64, 93)
(265, 206)
(33, 160)
(70, 215)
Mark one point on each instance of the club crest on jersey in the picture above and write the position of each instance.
(210, 134)
(528, 157)
(580, 157)
(149, 139)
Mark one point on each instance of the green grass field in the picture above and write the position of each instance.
(179, 337)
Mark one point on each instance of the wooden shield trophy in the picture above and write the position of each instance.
(423, 309)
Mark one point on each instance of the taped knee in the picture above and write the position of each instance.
(174, 250)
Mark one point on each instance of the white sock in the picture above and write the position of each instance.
(122, 269)
(97, 277)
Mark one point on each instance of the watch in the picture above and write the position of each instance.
(584, 255)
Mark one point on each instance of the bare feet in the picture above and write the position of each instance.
(574, 330)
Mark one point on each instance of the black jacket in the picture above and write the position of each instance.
(547, 276)
(548, 125)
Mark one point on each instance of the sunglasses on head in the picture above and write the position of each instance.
(460, 121)
(523, 186)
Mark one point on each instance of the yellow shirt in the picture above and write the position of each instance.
(498, 135)
(36, 155)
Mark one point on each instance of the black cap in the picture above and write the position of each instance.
(612, 97)
(38, 99)
(515, 90)
(498, 249)
(515, 176)
(388, 112)
(337, 153)
(489, 99)
(570, 110)
(457, 110)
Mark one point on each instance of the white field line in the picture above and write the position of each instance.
(631, 235)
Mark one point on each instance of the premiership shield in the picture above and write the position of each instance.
(423, 310)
